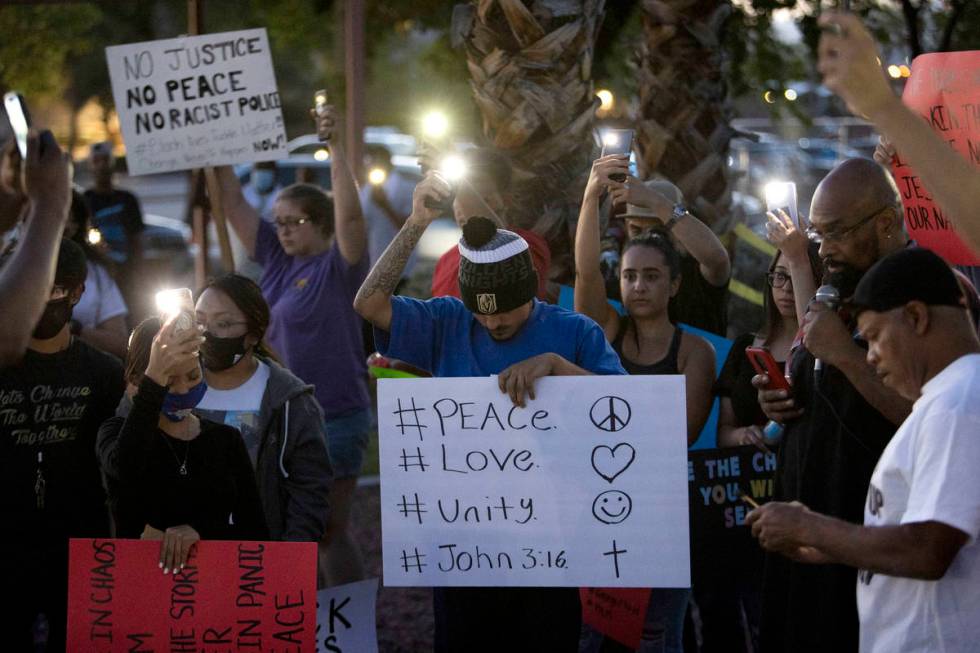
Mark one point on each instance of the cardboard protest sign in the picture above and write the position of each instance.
(944, 89)
(616, 613)
(585, 487)
(197, 101)
(231, 596)
(718, 478)
(345, 618)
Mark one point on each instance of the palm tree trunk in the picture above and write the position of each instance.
(530, 64)
(683, 129)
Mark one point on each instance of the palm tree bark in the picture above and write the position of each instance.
(683, 129)
(530, 64)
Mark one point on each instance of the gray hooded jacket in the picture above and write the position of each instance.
(292, 467)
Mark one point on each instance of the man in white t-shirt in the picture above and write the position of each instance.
(919, 585)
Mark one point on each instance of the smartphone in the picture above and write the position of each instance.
(179, 302)
(20, 119)
(617, 141)
(320, 99)
(764, 363)
(782, 195)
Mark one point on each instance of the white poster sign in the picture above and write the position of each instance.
(197, 101)
(585, 487)
(345, 618)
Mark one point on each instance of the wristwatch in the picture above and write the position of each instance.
(679, 212)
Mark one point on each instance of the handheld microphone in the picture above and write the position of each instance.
(826, 294)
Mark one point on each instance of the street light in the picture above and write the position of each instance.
(894, 71)
(905, 70)
(790, 95)
(768, 97)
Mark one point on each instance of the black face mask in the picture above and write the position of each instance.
(56, 315)
(219, 354)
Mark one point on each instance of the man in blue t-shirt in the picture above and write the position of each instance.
(498, 328)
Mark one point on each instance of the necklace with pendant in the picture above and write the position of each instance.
(181, 464)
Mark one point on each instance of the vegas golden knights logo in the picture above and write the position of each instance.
(487, 303)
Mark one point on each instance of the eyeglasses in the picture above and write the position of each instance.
(779, 279)
(291, 223)
(837, 235)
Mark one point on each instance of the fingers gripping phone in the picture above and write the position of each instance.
(782, 195)
(20, 119)
(617, 141)
(764, 363)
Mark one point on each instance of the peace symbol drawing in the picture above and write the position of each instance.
(610, 414)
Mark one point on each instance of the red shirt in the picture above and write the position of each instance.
(445, 278)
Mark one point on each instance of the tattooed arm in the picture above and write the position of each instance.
(373, 301)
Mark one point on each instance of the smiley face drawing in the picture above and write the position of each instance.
(612, 507)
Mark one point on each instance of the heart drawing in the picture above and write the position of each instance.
(610, 462)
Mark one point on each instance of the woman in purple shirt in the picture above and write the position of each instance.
(314, 256)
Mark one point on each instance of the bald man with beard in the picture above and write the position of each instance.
(837, 421)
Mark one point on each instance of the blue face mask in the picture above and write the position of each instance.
(264, 180)
(177, 407)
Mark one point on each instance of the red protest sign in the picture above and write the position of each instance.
(945, 90)
(617, 613)
(231, 596)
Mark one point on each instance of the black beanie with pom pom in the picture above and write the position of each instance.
(496, 274)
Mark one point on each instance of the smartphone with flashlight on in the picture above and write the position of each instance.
(177, 302)
(452, 169)
(320, 100)
(782, 195)
(617, 141)
(20, 119)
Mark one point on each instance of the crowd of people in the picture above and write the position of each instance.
(248, 417)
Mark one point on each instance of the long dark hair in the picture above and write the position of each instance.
(247, 296)
(659, 241)
(80, 214)
(774, 321)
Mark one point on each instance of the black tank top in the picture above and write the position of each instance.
(666, 365)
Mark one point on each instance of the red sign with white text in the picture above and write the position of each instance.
(231, 596)
(617, 613)
(945, 90)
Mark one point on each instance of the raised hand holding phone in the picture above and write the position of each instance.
(617, 141)
(20, 119)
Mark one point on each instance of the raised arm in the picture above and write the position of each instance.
(590, 289)
(794, 247)
(243, 218)
(848, 62)
(699, 241)
(27, 276)
(373, 300)
(348, 218)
